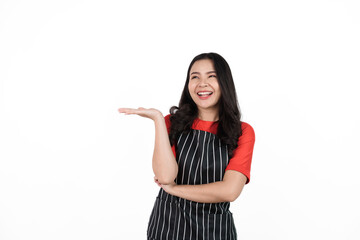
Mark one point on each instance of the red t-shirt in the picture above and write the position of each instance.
(241, 160)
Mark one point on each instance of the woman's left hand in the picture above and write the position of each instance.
(169, 188)
(151, 113)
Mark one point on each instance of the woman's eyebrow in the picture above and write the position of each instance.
(206, 73)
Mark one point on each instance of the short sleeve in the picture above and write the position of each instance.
(168, 124)
(241, 160)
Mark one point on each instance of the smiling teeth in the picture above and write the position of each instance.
(204, 93)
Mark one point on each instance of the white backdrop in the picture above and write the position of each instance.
(72, 167)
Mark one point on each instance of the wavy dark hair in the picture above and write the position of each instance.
(229, 128)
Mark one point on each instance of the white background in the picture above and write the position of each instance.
(72, 167)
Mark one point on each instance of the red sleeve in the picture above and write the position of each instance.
(168, 124)
(241, 160)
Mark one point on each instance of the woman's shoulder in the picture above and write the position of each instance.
(248, 133)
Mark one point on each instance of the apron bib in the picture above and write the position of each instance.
(202, 159)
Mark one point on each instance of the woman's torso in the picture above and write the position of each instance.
(202, 159)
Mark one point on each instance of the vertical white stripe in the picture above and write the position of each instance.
(207, 152)
(157, 225)
(192, 159)
(207, 161)
(166, 200)
(221, 168)
(184, 220)
(214, 159)
(162, 229)
(176, 150)
(202, 159)
(208, 228)
(182, 180)
(209, 221)
(197, 166)
(176, 213)
(183, 147)
(220, 225)
(215, 219)
(190, 206)
(169, 224)
(190, 170)
(197, 225)
(177, 237)
(214, 225)
(203, 235)
(201, 181)
(226, 222)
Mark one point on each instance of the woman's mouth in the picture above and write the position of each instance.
(204, 95)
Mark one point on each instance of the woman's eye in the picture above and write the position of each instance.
(197, 76)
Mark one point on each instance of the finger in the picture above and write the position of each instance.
(124, 110)
(128, 111)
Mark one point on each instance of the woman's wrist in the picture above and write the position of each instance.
(170, 188)
(158, 116)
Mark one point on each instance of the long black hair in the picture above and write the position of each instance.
(229, 128)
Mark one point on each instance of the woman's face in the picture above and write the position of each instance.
(203, 85)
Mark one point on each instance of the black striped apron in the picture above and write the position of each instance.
(201, 159)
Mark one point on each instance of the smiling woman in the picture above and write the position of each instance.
(202, 155)
(203, 85)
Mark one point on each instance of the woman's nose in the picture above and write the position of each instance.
(203, 83)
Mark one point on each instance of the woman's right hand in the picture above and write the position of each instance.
(151, 113)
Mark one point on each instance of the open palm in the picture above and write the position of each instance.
(151, 113)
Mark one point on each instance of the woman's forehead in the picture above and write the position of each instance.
(203, 66)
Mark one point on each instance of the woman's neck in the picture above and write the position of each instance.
(208, 116)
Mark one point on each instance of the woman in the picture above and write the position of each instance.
(202, 155)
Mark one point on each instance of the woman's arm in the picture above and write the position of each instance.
(164, 163)
(227, 190)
